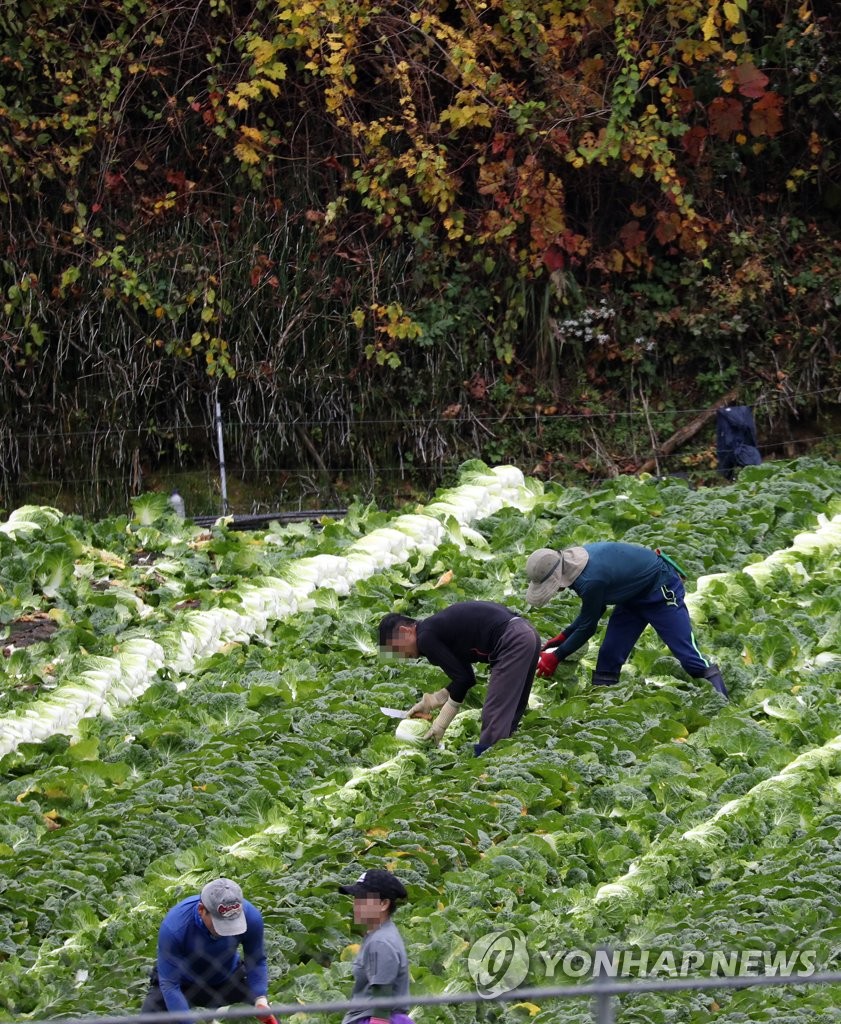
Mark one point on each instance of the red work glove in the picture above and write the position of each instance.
(556, 641)
(268, 1018)
(546, 664)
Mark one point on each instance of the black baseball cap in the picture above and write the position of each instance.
(376, 882)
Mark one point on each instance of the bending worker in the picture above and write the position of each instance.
(452, 639)
(645, 587)
(198, 963)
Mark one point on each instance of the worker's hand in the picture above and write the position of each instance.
(556, 641)
(265, 1018)
(428, 703)
(546, 664)
(440, 725)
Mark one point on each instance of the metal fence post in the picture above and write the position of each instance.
(603, 1009)
(223, 481)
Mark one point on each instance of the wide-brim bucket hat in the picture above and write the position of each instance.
(550, 571)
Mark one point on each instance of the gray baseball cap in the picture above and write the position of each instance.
(223, 900)
(550, 571)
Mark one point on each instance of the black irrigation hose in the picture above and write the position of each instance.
(257, 522)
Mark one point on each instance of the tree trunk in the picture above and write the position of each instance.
(681, 436)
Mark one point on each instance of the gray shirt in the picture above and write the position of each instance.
(381, 962)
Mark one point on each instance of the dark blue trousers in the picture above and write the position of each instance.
(662, 608)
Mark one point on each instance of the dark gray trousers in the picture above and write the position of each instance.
(512, 672)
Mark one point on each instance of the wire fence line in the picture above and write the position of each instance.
(194, 460)
(211, 469)
(602, 988)
(155, 429)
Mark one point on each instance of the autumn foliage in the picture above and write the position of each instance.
(459, 173)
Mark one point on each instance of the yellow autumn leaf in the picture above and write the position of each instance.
(263, 51)
(251, 134)
(709, 29)
(267, 84)
(731, 13)
(739, 37)
(246, 154)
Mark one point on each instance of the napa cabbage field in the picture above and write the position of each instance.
(179, 703)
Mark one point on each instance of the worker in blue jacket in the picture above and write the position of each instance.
(198, 962)
(645, 588)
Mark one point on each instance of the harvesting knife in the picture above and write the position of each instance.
(394, 713)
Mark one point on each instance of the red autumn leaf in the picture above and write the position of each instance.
(750, 81)
(574, 244)
(685, 98)
(725, 116)
(477, 386)
(554, 258)
(632, 235)
(694, 141)
(668, 227)
(766, 115)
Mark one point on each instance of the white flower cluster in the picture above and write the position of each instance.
(588, 326)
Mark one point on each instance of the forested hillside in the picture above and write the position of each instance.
(388, 236)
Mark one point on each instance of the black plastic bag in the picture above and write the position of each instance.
(736, 443)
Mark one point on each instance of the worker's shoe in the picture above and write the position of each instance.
(713, 673)
(605, 678)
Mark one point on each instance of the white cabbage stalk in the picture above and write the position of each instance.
(708, 837)
(825, 539)
(108, 683)
(201, 633)
(411, 730)
(703, 582)
(825, 659)
(30, 519)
